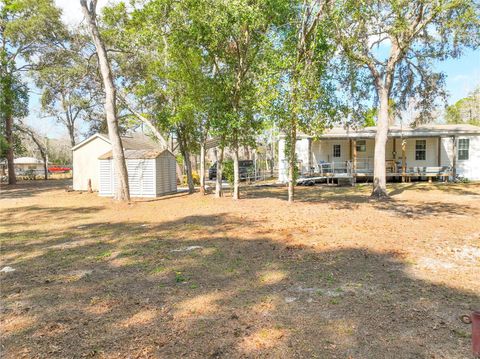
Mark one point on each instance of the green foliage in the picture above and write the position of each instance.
(71, 92)
(18, 146)
(465, 110)
(179, 159)
(303, 90)
(13, 104)
(370, 116)
(391, 45)
(228, 172)
(179, 277)
(28, 29)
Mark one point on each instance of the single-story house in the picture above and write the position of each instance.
(151, 173)
(25, 165)
(86, 153)
(452, 150)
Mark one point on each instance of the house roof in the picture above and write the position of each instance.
(134, 141)
(398, 131)
(27, 161)
(137, 154)
(212, 142)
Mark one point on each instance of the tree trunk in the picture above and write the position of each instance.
(291, 162)
(291, 140)
(122, 192)
(188, 163)
(71, 134)
(218, 180)
(379, 174)
(179, 172)
(272, 155)
(195, 163)
(247, 153)
(12, 179)
(41, 148)
(188, 166)
(202, 167)
(45, 166)
(69, 121)
(236, 174)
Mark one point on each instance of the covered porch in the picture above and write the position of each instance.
(406, 158)
(426, 152)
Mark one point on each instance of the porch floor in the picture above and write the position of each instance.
(407, 176)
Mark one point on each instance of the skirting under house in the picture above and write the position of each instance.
(151, 173)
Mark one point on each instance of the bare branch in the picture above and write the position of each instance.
(145, 120)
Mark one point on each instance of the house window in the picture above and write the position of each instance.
(336, 151)
(361, 146)
(463, 148)
(420, 150)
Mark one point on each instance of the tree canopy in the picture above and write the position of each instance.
(465, 110)
(194, 70)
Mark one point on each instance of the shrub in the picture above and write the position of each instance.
(195, 176)
(228, 171)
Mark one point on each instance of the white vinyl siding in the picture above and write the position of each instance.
(146, 177)
(141, 178)
(85, 163)
(166, 174)
(105, 174)
(431, 152)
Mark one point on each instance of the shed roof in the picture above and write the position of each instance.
(398, 131)
(133, 141)
(138, 142)
(138, 154)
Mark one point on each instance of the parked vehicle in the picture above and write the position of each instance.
(59, 169)
(246, 169)
(212, 172)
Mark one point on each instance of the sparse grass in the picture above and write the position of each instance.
(312, 279)
(159, 269)
(103, 255)
(179, 277)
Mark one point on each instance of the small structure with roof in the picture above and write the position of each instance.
(25, 165)
(428, 151)
(151, 173)
(86, 153)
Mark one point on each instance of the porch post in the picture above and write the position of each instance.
(310, 157)
(439, 152)
(394, 155)
(354, 162)
(454, 157)
(404, 159)
(351, 149)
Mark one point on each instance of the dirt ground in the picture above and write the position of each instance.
(334, 275)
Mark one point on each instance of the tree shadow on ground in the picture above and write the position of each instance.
(41, 214)
(187, 288)
(352, 198)
(451, 188)
(32, 188)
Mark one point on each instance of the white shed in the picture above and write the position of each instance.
(86, 153)
(151, 173)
